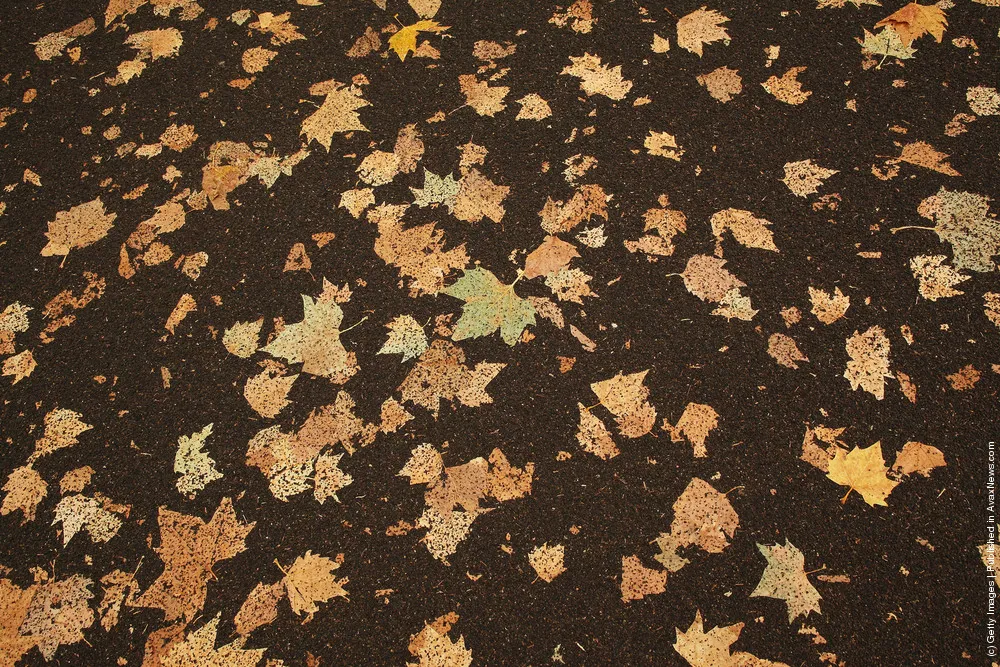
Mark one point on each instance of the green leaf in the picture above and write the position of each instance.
(887, 43)
(489, 305)
(436, 190)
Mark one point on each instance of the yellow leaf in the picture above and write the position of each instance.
(404, 42)
(862, 470)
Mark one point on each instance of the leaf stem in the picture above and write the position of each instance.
(896, 229)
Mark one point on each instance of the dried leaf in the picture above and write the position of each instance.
(785, 579)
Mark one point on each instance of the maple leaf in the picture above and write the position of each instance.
(485, 99)
(119, 587)
(784, 578)
(868, 365)
(587, 201)
(329, 478)
(13, 320)
(267, 392)
(478, 197)
(434, 648)
(58, 614)
(828, 307)
(914, 21)
(436, 190)
(315, 342)
(406, 337)
(54, 43)
(638, 581)
(723, 83)
(937, 279)
(712, 648)
(551, 256)
(963, 220)
(62, 427)
(441, 373)
(627, 398)
(917, 458)
(189, 548)
(310, 580)
(663, 145)
(787, 88)
(804, 176)
(749, 230)
(594, 436)
(598, 79)
(79, 511)
(198, 648)
(705, 277)
(418, 252)
(703, 517)
(156, 44)
(260, 608)
(404, 41)
(14, 601)
(489, 305)
(78, 227)
(696, 422)
(196, 467)
(886, 44)
(547, 561)
(281, 29)
(337, 114)
(241, 339)
(20, 365)
(862, 470)
(783, 349)
(700, 27)
(25, 489)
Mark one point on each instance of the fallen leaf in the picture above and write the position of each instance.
(700, 27)
(784, 578)
(78, 227)
(868, 363)
(404, 41)
(862, 470)
(489, 305)
(315, 342)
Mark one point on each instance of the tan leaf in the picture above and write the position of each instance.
(479, 197)
(434, 648)
(703, 517)
(804, 177)
(723, 83)
(551, 256)
(418, 252)
(78, 512)
(267, 392)
(705, 278)
(712, 648)
(785, 579)
(594, 436)
(918, 458)
(700, 27)
(627, 398)
(868, 363)
(198, 649)
(828, 307)
(62, 427)
(485, 99)
(185, 305)
(598, 79)
(787, 88)
(25, 489)
(242, 338)
(260, 608)
(315, 342)
(638, 581)
(337, 114)
(59, 613)
(533, 107)
(281, 29)
(696, 422)
(78, 227)
(784, 350)
(548, 561)
(936, 279)
(20, 365)
(189, 548)
(749, 230)
(915, 20)
(587, 201)
(196, 467)
(310, 580)
(156, 44)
